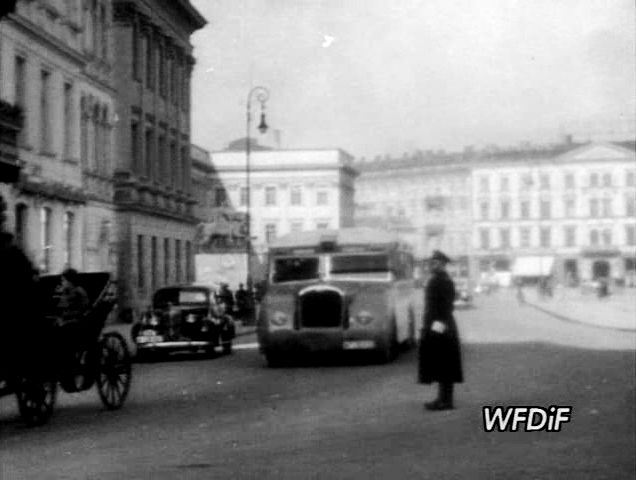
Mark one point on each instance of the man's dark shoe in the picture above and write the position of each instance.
(438, 405)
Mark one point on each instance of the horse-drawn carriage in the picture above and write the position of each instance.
(75, 355)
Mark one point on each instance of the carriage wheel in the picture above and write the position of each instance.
(115, 371)
(36, 400)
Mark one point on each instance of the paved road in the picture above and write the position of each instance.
(231, 417)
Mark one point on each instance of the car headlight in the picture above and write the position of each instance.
(363, 318)
(279, 319)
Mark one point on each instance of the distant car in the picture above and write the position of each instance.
(184, 318)
(463, 295)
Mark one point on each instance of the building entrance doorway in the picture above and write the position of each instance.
(600, 269)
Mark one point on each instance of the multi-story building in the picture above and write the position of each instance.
(153, 192)
(425, 196)
(56, 59)
(568, 210)
(291, 190)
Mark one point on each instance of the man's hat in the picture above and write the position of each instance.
(438, 255)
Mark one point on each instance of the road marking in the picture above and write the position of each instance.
(245, 346)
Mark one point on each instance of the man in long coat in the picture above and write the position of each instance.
(439, 353)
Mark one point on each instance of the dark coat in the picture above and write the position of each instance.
(440, 353)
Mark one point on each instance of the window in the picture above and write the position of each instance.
(67, 130)
(243, 196)
(544, 181)
(630, 205)
(569, 233)
(296, 226)
(505, 209)
(594, 238)
(569, 180)
(630, 179)
(45, 114)
(153, 263)
(103, 31)
(484, 238)
(569, 208)
(149, 150)
(69, 221)
(161, 60)
(594, 180)
(134, 146)
(594, 210)
(322, 225)
(524, 209)
(607, 179)
(524, 234)
(505, 184)
(484, 207)
(545, 236)
(504, 236)
(607, 237)
(270, 196)
(296, 196)
(163, 159)
(166, 261)
(177, 259)
(20, 93)
(21, 222)
(141, 274)
(150, 63)
(630, 234)
(171, 163)
(270, 232)
(545, 209)
(526, 181)
(136, 57)
(219, 197)
(484, 185)
(185, 169)
(188, 259)
(46, 236)
(607, 207)
(322, 197)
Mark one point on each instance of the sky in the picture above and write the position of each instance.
(380, 77)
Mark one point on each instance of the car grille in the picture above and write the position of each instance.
(321, 308)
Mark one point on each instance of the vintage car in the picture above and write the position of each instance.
(184, 317)
(463, 295)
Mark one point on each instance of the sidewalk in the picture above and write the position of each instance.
(618, 311)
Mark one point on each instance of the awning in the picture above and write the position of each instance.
(532, 266)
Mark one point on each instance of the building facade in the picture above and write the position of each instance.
(571, 208)
(153, 190)
(290, 190)
(565, 210)
(55, 64)
(425, 196)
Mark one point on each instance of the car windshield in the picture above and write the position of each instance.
(177, 296)
(360, 264)
(292, 269)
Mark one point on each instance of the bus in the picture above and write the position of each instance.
(351, 289)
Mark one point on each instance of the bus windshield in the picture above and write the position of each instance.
(293, 269)
(360, 264)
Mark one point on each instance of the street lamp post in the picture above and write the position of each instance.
(261, 94)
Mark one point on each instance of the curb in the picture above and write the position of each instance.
(574, 320)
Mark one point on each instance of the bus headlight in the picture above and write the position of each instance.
(363, 318)
(279, 319)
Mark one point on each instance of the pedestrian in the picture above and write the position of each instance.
(242, 302)
(440, 353)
